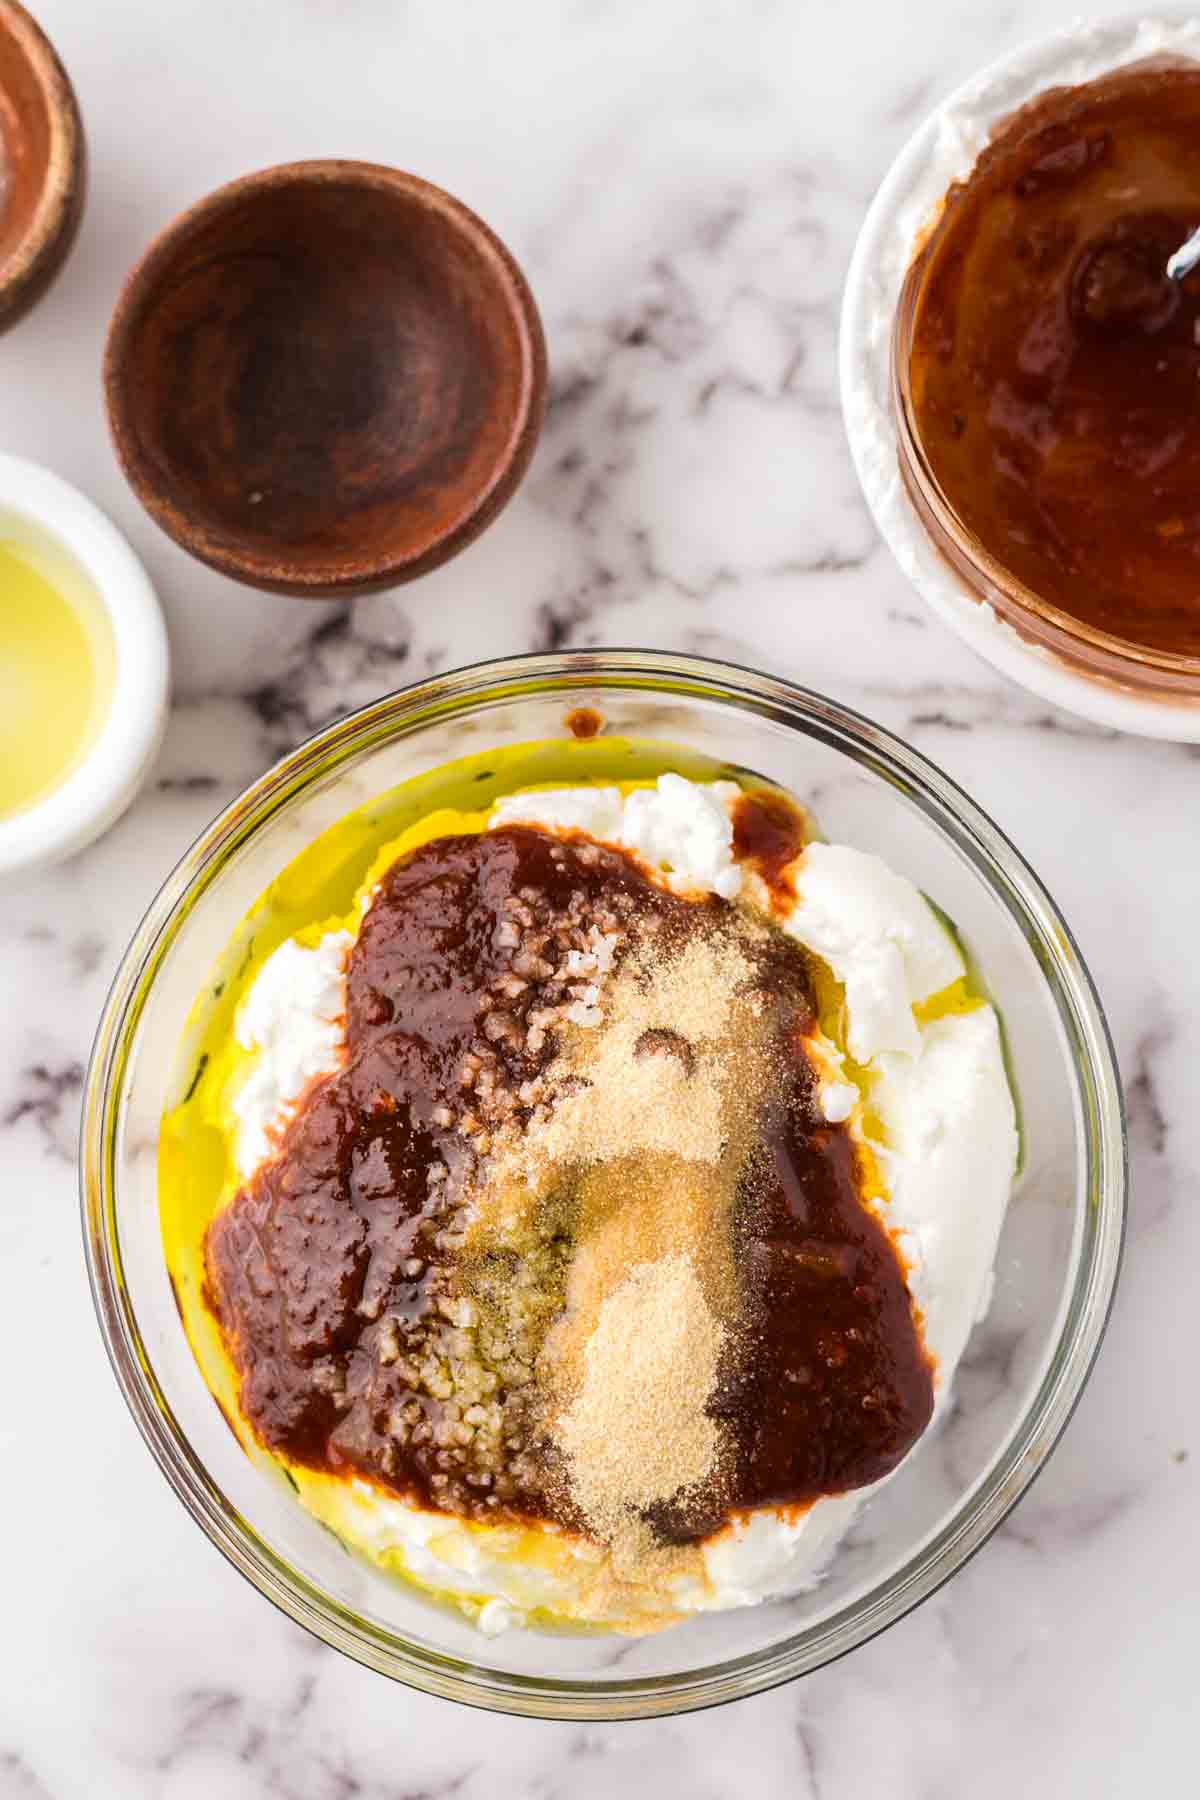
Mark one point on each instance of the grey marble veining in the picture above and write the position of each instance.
(683, 183)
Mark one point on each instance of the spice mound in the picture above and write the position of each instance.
(563, 1273)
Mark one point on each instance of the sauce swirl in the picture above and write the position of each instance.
(1054, 370)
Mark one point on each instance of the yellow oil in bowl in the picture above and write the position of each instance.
(57, 670)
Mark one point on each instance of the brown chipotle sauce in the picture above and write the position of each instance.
(333, 1253)
(769, 832)
(1054, 371)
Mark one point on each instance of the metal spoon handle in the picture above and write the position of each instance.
(1185, 258)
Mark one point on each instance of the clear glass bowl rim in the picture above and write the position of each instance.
(574, 674)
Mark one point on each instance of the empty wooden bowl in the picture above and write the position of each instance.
(42, 163)
(325, 378)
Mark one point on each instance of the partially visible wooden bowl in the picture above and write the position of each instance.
(326, 378)
(43, 163)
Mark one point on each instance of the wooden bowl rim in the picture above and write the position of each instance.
(350, 573)
(57, 211)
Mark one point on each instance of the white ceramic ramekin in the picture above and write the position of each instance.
(941, 151)
(93, 796)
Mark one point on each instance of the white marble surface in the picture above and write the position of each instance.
(683, 182)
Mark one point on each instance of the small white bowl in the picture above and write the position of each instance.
(36, 503)
(944, 150)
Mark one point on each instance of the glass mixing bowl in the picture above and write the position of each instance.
(1055, 1270)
